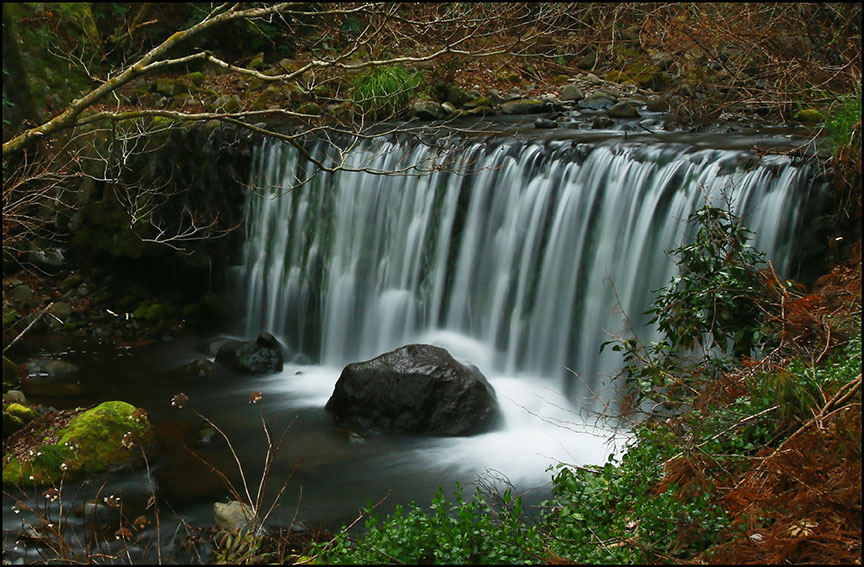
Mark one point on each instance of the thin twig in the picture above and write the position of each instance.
(27, 328)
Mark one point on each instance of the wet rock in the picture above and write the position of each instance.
(595, 103)
(51, 378)
(49, 367)
(98, 511)
(233, 515)
(657, 104)
(426, 109)
(622, 110)
(545, 123)
(523, 107)
(201, 368)
(415, 388)
(263, 356)
(602, 123)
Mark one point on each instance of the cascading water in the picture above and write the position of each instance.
(524, 267)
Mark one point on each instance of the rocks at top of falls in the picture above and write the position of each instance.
(262, 356)
(416, 388)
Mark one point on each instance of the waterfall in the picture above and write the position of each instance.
(524, 266)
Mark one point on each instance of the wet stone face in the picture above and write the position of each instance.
(418, 389)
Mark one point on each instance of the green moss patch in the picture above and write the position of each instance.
(75, 444)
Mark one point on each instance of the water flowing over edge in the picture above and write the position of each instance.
(524, 267)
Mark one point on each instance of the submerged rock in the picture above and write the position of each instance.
(415, 388)
(262, 356)
(51, 378)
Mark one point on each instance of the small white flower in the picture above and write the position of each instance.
(31, 477)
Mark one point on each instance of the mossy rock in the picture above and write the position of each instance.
(196, 78)
(616, 76)
(344, 110)
(9, 317)
(22, 413)
(309, 108)
(228, 104)
(71, 281)
(529, 106)
(809, 115)
(90, 442)
(482, 101)
(267, 98)
(482, 110)
(163, 86)
(560, 79)
(509, 77)
(159, 312)
(645, 76)
(257, 61)
(11, 424)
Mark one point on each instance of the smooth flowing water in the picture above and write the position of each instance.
(523, 267)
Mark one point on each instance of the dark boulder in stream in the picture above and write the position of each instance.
(51, 378)
(262, 356)
(418, 389)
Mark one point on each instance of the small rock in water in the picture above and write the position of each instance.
(545, 123)
(232, 516)
(602, 123)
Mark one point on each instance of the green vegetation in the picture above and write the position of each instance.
(844, 123)
(386, 90)
(451, 533)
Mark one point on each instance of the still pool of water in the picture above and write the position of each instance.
(330, 474)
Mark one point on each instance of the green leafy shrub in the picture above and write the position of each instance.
(451, 533)
(716, 302)
(616, 514)
(385, 90)
(844, 123)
